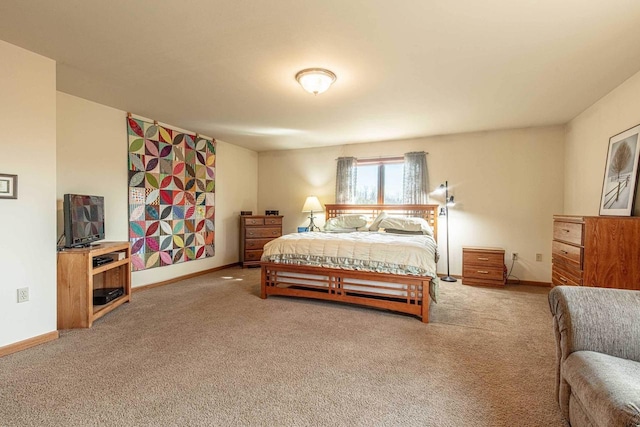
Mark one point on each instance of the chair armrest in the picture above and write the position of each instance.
(596, 319)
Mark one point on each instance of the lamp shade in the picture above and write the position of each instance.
(312, 204)
(315, 80)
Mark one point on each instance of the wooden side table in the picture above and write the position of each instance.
(483, 266)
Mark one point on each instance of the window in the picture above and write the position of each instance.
(380, 181)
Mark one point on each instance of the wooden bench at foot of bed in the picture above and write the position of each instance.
(348, 286)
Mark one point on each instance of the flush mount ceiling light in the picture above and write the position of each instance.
(315, 80)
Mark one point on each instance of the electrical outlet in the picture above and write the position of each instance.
(23, 294)
(539, 257)
(514, 256)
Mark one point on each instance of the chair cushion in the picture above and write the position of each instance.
(607, 387)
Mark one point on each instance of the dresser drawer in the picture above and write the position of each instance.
(480, 258)
(568, 277)
(253, 221)
(478, 272)
(256, 243)
(272, 221)
(252, 255)
(262, 232)
(570, 232)
(562, 251)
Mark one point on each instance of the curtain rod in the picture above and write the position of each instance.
(166, 125)
(378, 157)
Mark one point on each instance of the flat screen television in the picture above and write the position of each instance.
(83, 219)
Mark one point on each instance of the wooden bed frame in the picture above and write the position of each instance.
(329, 283)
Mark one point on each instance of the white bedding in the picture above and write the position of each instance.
(365, 251)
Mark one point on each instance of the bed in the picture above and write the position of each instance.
(405, 290)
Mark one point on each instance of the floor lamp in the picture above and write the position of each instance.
(444, 211)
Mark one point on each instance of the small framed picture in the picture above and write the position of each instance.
(621, 173)
(8, 186)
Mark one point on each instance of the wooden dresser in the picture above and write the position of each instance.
(596, 251)
(255, 232)
(483, 266)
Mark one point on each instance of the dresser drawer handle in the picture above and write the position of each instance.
(564, 252)
(483, 259)
(483, 272)
(251, 233)
(275, 233)
(566, 230)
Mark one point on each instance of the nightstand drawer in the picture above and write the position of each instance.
(263, 232)
(478, 272)
(562, 251)
(253, 221)
(483, 258)
(570, 232)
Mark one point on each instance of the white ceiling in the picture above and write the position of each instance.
(406, 68)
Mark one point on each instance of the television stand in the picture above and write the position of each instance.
(80, 274)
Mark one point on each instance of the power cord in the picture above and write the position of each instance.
(59, 243)
(513, 261)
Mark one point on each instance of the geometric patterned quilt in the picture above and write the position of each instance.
(171, 195)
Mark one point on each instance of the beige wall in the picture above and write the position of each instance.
(507, 184)
(92, 159)
(27, 225)
(587, 143)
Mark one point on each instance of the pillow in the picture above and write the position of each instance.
(346, 222)
(407, 224)
(376, 222)
(395, 231)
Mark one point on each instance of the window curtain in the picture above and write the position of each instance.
(346, 180)
(416, 178)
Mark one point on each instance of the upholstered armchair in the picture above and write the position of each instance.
(597, 333)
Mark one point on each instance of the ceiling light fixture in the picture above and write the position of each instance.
(315, 80)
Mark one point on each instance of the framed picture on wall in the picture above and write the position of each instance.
(621, 173)
(8, 186)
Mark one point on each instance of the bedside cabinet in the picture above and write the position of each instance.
(255, 232)
(483, 266)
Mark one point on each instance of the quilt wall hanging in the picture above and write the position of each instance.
(171, 195)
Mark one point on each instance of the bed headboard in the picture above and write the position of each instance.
(428, 212)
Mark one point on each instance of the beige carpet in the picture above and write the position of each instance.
(208, 351)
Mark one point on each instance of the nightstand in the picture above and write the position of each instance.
(483, 266)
